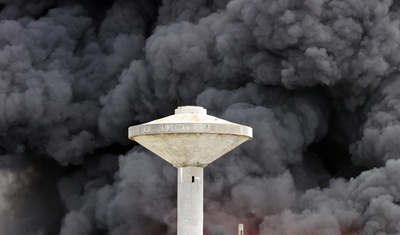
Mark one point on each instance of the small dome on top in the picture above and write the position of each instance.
(190, 109)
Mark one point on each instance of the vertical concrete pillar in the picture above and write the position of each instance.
(190, 200)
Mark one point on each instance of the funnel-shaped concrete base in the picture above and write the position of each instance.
(190, 149)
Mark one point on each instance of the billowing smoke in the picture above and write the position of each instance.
(318, 80)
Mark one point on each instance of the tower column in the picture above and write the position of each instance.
(190, 200)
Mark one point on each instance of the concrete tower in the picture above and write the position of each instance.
(190, 140)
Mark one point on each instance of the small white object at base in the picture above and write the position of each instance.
(241, 229)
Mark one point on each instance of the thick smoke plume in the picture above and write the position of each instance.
(318, 80)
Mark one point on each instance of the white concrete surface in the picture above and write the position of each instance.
(190, 149)
(190, 137)
(190, 201)
(190, 109)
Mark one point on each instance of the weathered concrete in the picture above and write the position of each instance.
(190, 201)
(190, 140)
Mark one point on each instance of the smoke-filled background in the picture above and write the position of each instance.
(318, 80)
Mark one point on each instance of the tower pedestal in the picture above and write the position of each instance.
(190, 200)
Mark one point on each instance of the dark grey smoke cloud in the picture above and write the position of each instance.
(318, 80)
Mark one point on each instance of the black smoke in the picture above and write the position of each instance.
(318, 80)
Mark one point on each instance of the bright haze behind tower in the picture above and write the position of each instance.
(317, 78)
